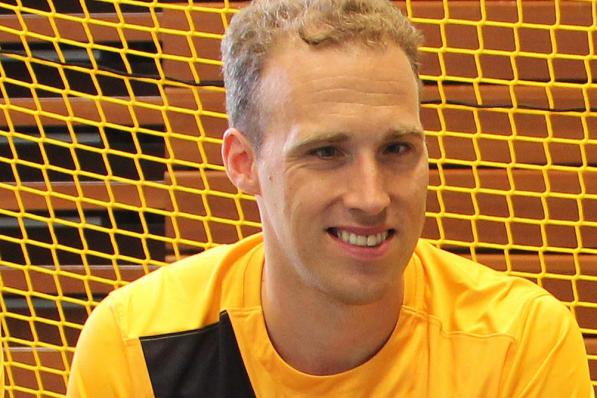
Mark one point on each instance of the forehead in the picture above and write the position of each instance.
(339, 84)
(295, 62)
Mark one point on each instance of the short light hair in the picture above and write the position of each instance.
(255, 30)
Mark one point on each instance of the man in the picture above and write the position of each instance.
(338, 297)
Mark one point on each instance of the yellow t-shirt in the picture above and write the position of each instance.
(196, 328)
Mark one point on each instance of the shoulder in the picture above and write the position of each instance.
(185, 295)
(467, 296)
(542, 354)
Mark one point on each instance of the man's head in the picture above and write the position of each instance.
(340, 175)
(266, 24)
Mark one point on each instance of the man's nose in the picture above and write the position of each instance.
(367, 191)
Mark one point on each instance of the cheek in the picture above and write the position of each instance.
(420, 197)
(288, 195)
(421, 173)
(412, 191)
(305, 198)
(423, 181)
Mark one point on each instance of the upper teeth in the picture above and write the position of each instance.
(363, 240)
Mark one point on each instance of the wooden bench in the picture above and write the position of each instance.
(182, 128)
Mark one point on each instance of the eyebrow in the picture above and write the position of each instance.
(401, 132)
(316, 140)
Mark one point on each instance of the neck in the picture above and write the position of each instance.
(318, 335)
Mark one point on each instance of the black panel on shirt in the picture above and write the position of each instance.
(197, 363)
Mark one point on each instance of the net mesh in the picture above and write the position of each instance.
(110, 123)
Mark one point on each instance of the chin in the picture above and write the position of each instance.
(359, 292)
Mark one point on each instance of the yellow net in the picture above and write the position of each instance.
(110, 119)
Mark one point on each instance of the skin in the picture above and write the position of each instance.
(343, 150)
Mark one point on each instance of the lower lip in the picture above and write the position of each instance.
(364, 252)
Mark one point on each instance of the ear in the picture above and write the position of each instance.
(239, 160)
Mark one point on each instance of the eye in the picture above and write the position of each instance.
(396, 148)
(326, 152)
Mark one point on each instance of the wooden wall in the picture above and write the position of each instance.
(170, 187)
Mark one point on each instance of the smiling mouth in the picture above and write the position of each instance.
(351, 238)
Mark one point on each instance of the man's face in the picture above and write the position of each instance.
(343, 170)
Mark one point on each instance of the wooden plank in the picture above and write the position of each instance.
(70, 280)
(459, 39)
(103, 27)
(528, 48)
(204, 116)
(493, 131)
(591, 345)
(30, 316)
(538, 263)
(176, 42)
(186, 145)
(34, 374)
(84, 195)
(515, 99)
(522, 182)
(190, 200)
(188, 104)
(536, 224)
(148, 110)
(496, 136)
(54, 321)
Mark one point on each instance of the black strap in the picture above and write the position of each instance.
(197, 363)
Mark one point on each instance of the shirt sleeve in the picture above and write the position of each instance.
(100, 366)
(550, 360)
